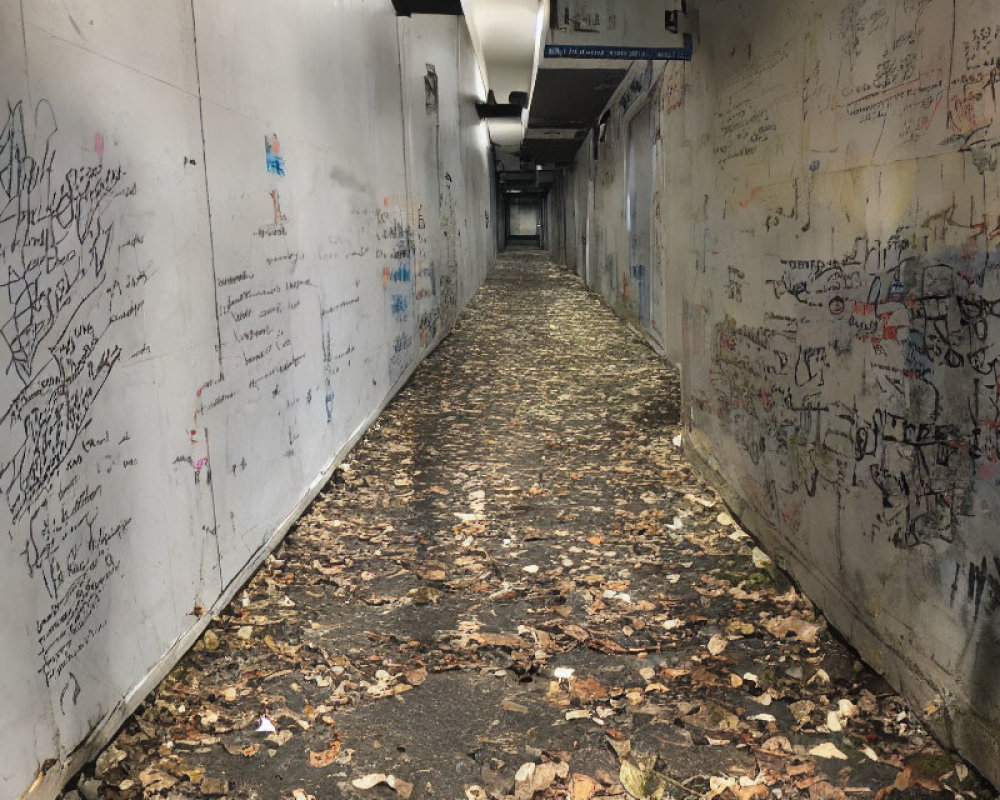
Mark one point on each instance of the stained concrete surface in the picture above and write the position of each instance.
(516, 566)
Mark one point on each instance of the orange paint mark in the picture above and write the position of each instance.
(756, 190)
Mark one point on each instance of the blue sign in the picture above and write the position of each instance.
(622, 53)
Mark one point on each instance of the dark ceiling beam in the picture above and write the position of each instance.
(405, 8)
(499, 110)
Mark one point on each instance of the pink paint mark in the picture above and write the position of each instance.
(99, 146)
(201, 462)
(753, 195)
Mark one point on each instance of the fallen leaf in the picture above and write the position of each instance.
(717, 785)
(588, 690)
(740, 627)
(827, 750)
(325, 758)
(803, 630)
(641, 781)
(214, 787)
(403, 788)
(802, 709)
(369, 781)
(582, 787)
(280, 738)
(755, 791)
(717, 644)
(108, 760)
(416, 677)
(156, 780)
(432, 574)
(824, 790)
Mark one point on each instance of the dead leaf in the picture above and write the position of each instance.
(432, 574)
(403, 788)
(582, 787)
(827, 750)
(823, 790)
(802, 709)
(155, 780)
(588, 690)
(194, 774)
(325, 758)
(717, 644)
(803, 630)
(214, 787)
(108, 760)
(280, 738)
(369, 781)
(641, 781)
(755, 791)
(415, 677)
(498, 640)
(918, 770)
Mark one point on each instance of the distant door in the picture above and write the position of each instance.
(639, 202)
(524, 219)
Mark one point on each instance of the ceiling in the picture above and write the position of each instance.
(508, 33)
(566, 95)
(565, 103)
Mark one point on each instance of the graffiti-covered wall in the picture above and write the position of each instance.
(826, 225)
(220, 259)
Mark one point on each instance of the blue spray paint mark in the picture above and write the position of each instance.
(400, 307)
(401, 274)
(275, 163)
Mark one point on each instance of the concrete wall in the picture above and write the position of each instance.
(827, 218)
(221, 259)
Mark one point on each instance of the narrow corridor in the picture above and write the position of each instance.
(517, 587)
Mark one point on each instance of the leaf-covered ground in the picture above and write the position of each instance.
(516, 587)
